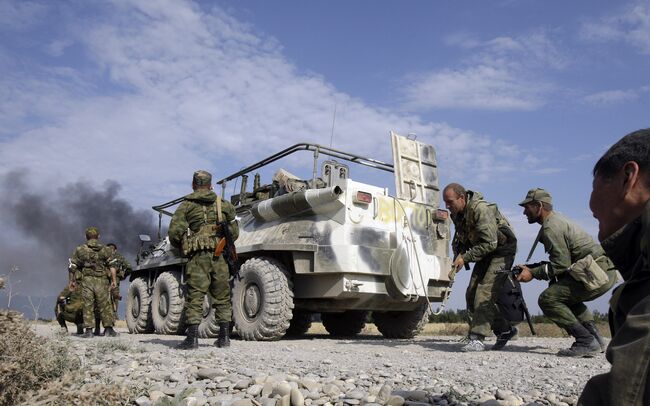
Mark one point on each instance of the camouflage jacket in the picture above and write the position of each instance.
(628, 382)
(91, 258)
(482, 231)
(198, 210)
(565, 243)
(121, 265)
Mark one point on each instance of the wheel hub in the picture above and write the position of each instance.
(252, 301)
(135, 310)
(163, 305)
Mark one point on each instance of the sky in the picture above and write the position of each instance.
(125, 99)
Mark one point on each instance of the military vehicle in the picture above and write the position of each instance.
(327, 245)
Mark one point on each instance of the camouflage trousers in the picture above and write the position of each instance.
(207, 275)
(481, 297)
(563, 301)
(95, 291)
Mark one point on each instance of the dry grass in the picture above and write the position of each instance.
(460, 329)
(39, 371)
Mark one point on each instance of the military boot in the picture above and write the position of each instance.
(61, 321)
(223, 339)
(98, 330)
(591, 327)
(191, 341)
(88, 333)
(585, 345)
(80, 329)
(503, 338)
(110, 332)
(475, 344)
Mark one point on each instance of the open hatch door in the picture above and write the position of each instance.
(416, 171)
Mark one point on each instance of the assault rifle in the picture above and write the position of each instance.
(514, 295)
(226, 247)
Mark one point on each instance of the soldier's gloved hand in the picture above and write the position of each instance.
(72, 285)
(525, 275)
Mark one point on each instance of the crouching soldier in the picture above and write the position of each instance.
(572, 253)
(69, 307)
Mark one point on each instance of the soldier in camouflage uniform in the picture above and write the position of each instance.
(69, 307)
(620, 200)
(563, 301)
(484, 236)
(91, 260)
(122, 270)
(194, 230)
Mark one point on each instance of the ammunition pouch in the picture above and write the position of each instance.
(203, 240)
(587, 271)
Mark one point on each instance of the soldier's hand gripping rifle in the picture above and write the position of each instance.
(226, 247)
(516, 295)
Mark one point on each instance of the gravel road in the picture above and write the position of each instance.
(319, 370)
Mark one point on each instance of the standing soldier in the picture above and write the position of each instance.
(484, 236)
(91, 260)
(122, 270)
(620, 201)
(195, 230)
(563, 301)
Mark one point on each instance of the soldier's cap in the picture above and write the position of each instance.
(202, 178)
(92, 230)
(537, 195)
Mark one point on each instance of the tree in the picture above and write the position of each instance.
(11, 284)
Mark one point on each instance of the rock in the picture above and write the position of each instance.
(309, 384)
(254, 390)
(384, 394)
(267, 389)
(331, 390)
(242, 384)
(208, 373)
(282, 389)
(297, 399)
(143, 401)
(268, 402)
(491, 402)
(285, 400)
(155, 394)
(355, 395)
(395, 401)
(242, 402)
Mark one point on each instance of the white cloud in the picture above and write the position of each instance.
(501, 74)
(631, 26)
(169, 87)
(609, 97)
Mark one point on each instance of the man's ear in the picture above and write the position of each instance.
(631, 176)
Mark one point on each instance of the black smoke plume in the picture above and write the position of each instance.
(40, 228)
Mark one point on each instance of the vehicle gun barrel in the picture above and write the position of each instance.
(294, 203)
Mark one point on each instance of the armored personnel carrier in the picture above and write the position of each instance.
(328, 245)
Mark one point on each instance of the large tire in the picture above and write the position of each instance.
(208, 327)
(138, 308)
(406, 324)
(167, 304)
(262, 300)
(300, 323)
(346, 324)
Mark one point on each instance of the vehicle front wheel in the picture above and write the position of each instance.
(138, 308)
(262, 300)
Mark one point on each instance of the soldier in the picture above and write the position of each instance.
(484, 236)
(563, 301)
(620, 201)
(122, 270)
(69, 307)
(194, 229)
(91, 260)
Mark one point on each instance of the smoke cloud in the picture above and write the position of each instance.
(41, 228)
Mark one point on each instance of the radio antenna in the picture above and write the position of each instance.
(333, 121)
